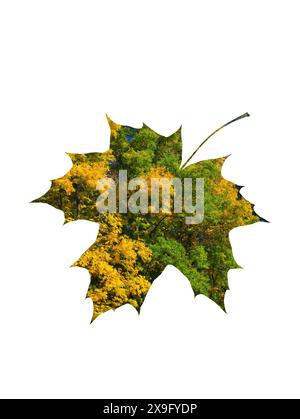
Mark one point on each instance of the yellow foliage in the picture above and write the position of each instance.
(85, 173)
(88, 173)
(114, 128)
(162, 175)
(114, 264)
(158, 172)
(65, 183)
(237, 209)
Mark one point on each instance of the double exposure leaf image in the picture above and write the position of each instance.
(153, 210)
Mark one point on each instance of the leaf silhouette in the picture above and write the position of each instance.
(132, 249)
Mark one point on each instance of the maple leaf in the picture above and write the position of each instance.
(132, 249)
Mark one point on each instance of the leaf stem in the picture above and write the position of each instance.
(213, 133)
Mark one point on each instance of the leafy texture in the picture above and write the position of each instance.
(131, 250)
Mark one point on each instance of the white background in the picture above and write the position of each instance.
(166, 63)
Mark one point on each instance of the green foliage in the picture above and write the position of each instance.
(171, 252)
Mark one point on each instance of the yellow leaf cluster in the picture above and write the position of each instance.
(88, 173)
(114, 262)
(114, 128)
(84, 173)
(158, 172)
(239, 208)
